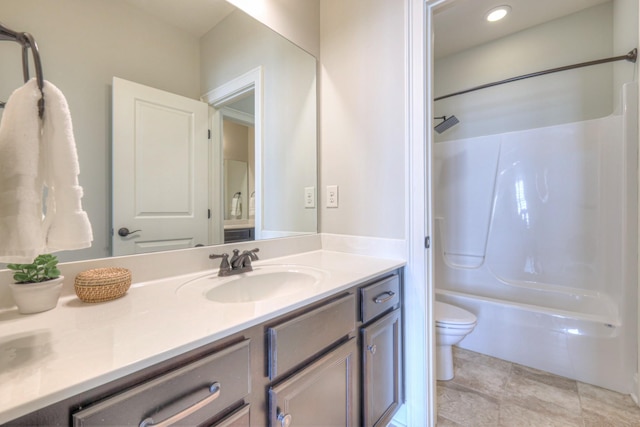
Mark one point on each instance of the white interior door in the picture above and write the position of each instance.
(160, 178)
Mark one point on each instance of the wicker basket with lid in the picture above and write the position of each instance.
(102, 284)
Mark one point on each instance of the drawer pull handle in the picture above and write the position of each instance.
(372, 348)
(214, 389)
(384, 297)
(285, 419)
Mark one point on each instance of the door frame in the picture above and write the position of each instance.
(217, 98)
(419, 327)
(420, 298)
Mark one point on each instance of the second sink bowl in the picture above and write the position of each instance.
(263, 283)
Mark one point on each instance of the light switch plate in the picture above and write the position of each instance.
(309, 197)
(332, 196)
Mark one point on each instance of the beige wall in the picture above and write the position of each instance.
(235, 141)
(297, 20)
(362, 116)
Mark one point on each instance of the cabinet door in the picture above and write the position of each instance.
(321, 394)
(381, 369)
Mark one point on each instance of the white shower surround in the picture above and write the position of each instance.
(536, 235)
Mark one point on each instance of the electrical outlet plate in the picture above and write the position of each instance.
(332, 196)
(309, 197)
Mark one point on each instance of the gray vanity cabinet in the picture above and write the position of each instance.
(381, 347)
(233, 235)
(335, 362)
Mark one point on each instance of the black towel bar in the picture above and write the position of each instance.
(27, 42)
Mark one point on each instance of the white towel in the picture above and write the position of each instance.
(236, 206)
(38, 160)
(67, 224)
(252, 205)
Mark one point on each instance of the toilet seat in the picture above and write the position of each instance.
(449, 316)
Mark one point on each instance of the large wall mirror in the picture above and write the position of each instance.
(251, 81)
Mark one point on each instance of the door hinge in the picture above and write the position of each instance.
(427, 242)
(208, 133)
(208, 213)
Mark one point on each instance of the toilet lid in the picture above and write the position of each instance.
(447, 313)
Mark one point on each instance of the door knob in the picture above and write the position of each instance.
(285, 419)
(124, 232)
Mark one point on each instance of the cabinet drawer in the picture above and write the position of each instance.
(379, 297)
(197, 391)
(294, 341)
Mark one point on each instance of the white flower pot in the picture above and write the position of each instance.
(37, 297)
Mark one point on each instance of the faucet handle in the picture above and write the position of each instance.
(224, 264)
(252, 254)
(215, 256)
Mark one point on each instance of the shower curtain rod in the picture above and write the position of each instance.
(631, 57)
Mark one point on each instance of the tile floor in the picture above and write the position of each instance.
(492, 392)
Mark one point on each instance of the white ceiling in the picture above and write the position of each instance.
(460, 24)
(196, 17)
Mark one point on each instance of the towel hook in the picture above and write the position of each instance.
(27, 41)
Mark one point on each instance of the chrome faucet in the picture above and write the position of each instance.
(239, 262)
(243, 260)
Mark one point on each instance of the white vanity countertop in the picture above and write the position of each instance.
(75, 347)
(238, 224)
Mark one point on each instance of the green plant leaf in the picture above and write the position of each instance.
(20, 277)
(44, 267)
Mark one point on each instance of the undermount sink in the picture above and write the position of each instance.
(263, 283)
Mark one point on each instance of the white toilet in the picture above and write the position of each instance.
(452, 325)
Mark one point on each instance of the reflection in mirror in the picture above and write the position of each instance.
(135, 41)
(239, 183)
(236, 188)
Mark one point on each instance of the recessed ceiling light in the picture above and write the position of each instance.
(497, 13)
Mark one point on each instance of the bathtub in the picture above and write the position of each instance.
(575, 345)
(535, 232)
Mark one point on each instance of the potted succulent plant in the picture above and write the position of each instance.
(37, 285)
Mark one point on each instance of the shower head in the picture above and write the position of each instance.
(446, 123)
